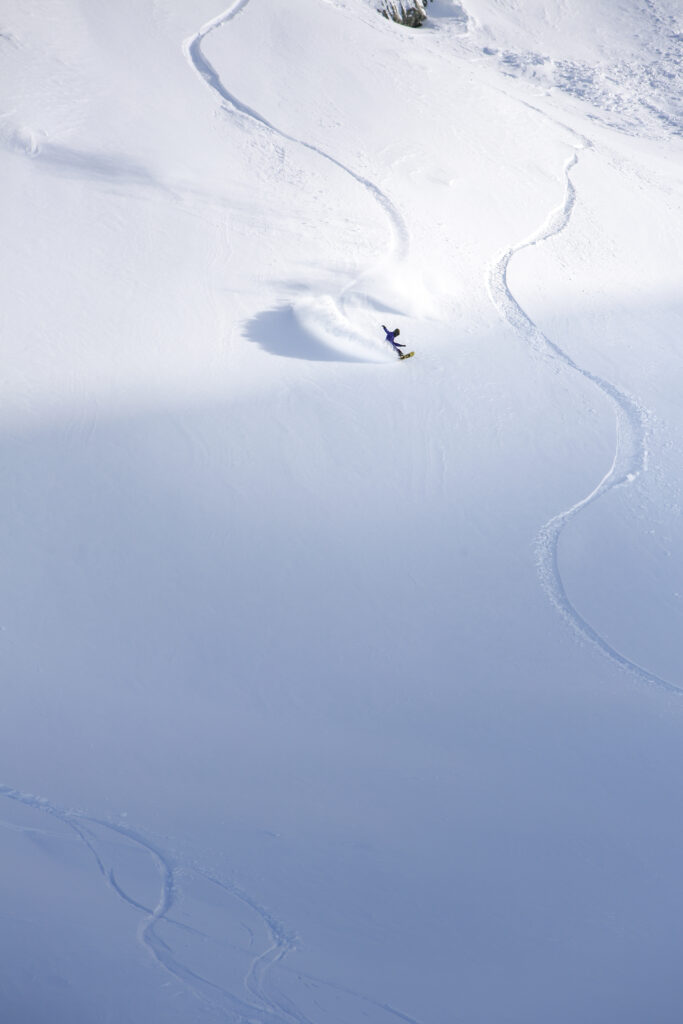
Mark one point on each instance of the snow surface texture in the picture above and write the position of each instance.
(350, 688)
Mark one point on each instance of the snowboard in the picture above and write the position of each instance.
(405, 355)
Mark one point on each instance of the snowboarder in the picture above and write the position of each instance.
(391, 338)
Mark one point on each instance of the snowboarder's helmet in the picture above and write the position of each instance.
(396, 332)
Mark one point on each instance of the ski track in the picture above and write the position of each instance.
(630, 456)
(263, 1010)
(192, 48)
(258, 1005)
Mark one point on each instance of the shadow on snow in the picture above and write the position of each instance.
(279, 331)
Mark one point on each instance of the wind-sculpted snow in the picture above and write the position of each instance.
(637, 93)
(246, 933)
(400, 237)
(630, 455)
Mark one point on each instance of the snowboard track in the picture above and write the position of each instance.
(192, 48)
(258, 1003)
(168, 868)
(630, 455)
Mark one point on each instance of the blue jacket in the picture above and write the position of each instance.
(391, 336)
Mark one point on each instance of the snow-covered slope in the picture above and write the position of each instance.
(335, 687)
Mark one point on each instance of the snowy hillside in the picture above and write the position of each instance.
(338, 688)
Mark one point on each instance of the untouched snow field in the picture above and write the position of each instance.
(335, 688)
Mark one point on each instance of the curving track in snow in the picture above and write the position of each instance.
(97, 835)
(255, 1001)
(192, 48)
(630, 454)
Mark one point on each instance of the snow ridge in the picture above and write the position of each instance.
(630, 456)
(192, 48)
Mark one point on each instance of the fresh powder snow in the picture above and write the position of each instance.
(338, 688)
